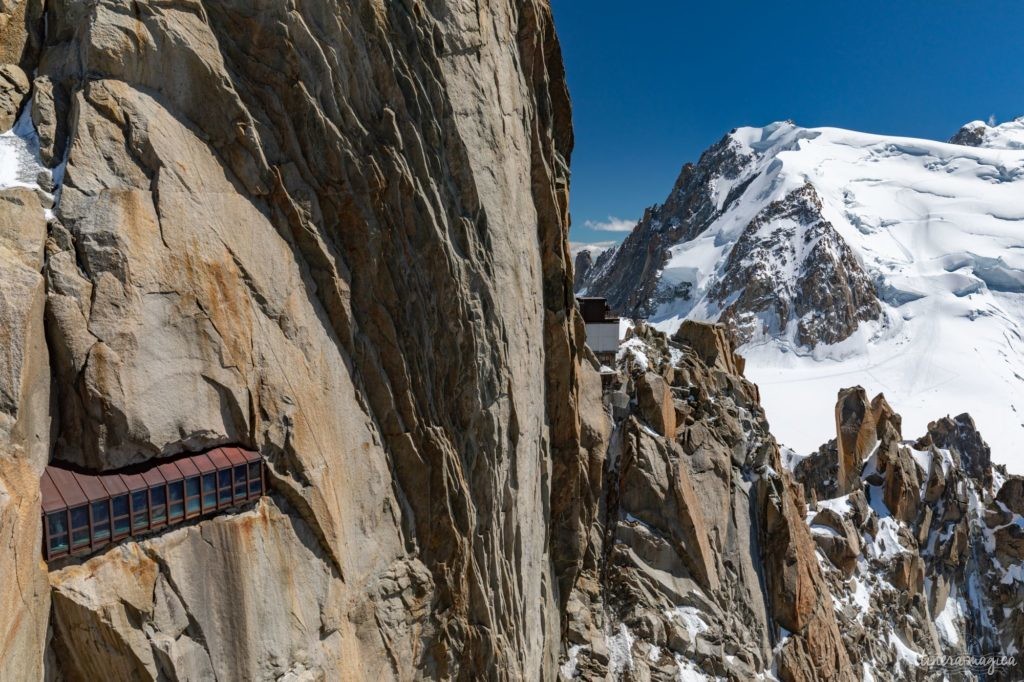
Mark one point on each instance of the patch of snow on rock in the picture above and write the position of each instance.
(689, 618)
(620, 651)
(19, 154)
(568, 669)
(636, 350)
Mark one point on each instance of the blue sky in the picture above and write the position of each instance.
(654, 82)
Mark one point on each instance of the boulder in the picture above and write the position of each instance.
(14, 88)
(712, 345)
(841, 546)
(657, 407)
(960, 436)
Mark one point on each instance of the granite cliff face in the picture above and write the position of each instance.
(334, 233)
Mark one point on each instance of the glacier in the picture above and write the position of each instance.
(939, 227)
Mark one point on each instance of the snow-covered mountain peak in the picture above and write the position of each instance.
(841, 257)
(772, 138)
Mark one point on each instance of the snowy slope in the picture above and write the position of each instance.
(940, 229)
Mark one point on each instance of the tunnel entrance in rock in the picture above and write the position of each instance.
(83, 512)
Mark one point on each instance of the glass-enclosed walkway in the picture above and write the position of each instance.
(85, 512)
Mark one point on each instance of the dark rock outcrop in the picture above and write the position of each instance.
(581, 268)
(960, 436)
(970, 135)
(830, 293)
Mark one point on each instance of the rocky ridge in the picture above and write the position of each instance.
(702, 563)
(720, 556)
(1008, 135)
(629, 275)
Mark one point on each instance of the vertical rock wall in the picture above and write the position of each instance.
(336, 233)
(24, 433)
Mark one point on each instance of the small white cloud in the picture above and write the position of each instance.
(613, 224)
(991, 120)
(595, 248)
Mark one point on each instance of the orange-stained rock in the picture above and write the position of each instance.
(856, 435)
(843, 547)
(712, 344)
(25, 435)
(656, 404)
(800, 599)
(907, 573)
(336, 233)
(235, 597)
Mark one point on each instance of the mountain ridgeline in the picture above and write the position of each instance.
(831, 254)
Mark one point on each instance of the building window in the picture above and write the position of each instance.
(158, 498)
(209, 492)
(224, 484)
(79, 526)
(176, 493)
(240, 482)
(100, 520)
(57, 525)
(255, 480)
(192, 503)
(140, 510)
(122, 524)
